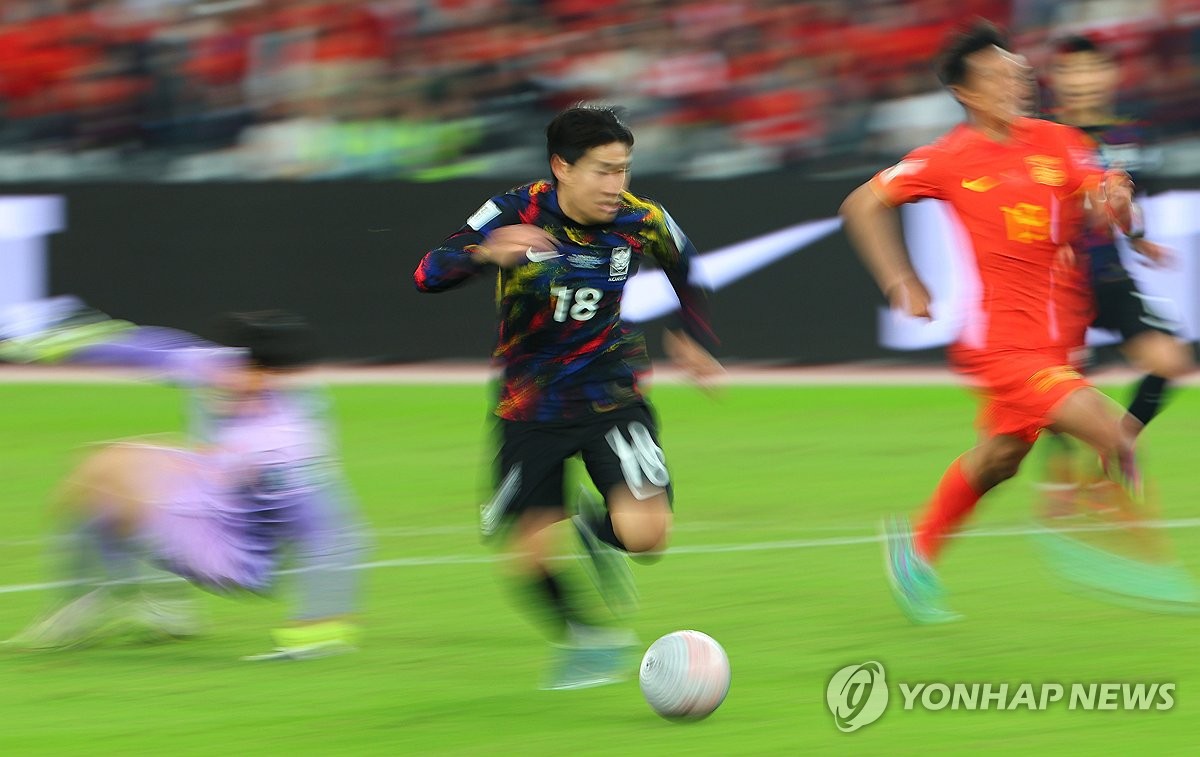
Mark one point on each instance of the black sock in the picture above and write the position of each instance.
(1148, 399)
(555, 596)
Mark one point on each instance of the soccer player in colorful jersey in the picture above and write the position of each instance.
(565, 249)
(1084, 80)
(1007, 178)
(258, 477)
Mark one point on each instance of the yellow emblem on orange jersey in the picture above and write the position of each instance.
(1046, 169)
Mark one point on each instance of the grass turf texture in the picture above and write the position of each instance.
(450, 667)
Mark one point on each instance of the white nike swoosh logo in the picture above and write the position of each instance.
(541, 257)
(649, 295)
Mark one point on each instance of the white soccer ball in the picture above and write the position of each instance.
(685, 675)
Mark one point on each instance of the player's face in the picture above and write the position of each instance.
(1083, 81)
(997, 85)
(1029, 93)
(589, 190)
(236, 387)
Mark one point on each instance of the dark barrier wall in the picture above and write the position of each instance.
(344, 254)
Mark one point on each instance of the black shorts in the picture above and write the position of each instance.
(1122, 308)
(617, 447)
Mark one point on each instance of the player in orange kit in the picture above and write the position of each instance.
(1010, 180)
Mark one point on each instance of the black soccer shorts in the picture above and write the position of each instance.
(617, 447)
(1122, 308)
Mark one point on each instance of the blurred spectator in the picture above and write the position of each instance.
(429, 89)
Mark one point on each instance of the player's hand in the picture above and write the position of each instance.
(1116, 192)
(1156, 255)
(910, 297)
(693, 359)
(510, 246)
(1064, 257)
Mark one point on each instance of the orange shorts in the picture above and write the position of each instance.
(1020, 388)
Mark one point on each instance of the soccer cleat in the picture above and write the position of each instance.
(1119, 579)
(593, 657)
(915, 585)
(83, 621)
(609, 567)
(1127, 474)
(152, 618)
(310, 642)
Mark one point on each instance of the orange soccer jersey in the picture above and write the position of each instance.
(1013, 200)
(1017, 202)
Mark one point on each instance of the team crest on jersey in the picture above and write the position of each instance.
(618, 264)
(579, 260)
(1046, 169)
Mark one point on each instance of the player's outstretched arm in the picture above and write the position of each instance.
(470, 252)
(493, 235)
(691, 357)
(65, 330)
(509, 246)
(689, 338)
(1115, 199)
(451, 264)
(874, 230)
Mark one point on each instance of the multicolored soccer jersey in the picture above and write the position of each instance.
(564, 350)
(1013, 201)
(1119, 144)
(1101, 291)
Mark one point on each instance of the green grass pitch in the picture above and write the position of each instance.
(779, 490)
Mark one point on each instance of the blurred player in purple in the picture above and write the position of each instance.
(564, 250)
(259, 476)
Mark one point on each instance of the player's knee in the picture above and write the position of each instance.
(645, 540)
(643, 530)
(1174, 362)
(1161, 355)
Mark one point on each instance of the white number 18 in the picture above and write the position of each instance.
(580, 304)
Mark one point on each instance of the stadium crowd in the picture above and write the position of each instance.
(432, 89)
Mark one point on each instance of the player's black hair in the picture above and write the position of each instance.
(273, 338)
(952, 61)
(1080, 43)
(577, 130)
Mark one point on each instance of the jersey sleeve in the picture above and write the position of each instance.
(172, 355)
(1084, 168)
(676, 255)
(449, 264)
(919, 175)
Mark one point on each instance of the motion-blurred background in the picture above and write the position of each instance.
(194, 157)
(182, 90)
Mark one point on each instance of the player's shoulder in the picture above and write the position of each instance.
(637, 208)
(532, 193)
(946, 146)
(918, 160)
(1125, 128)
(511, 205)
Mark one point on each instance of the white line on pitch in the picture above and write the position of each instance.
(698, 549)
